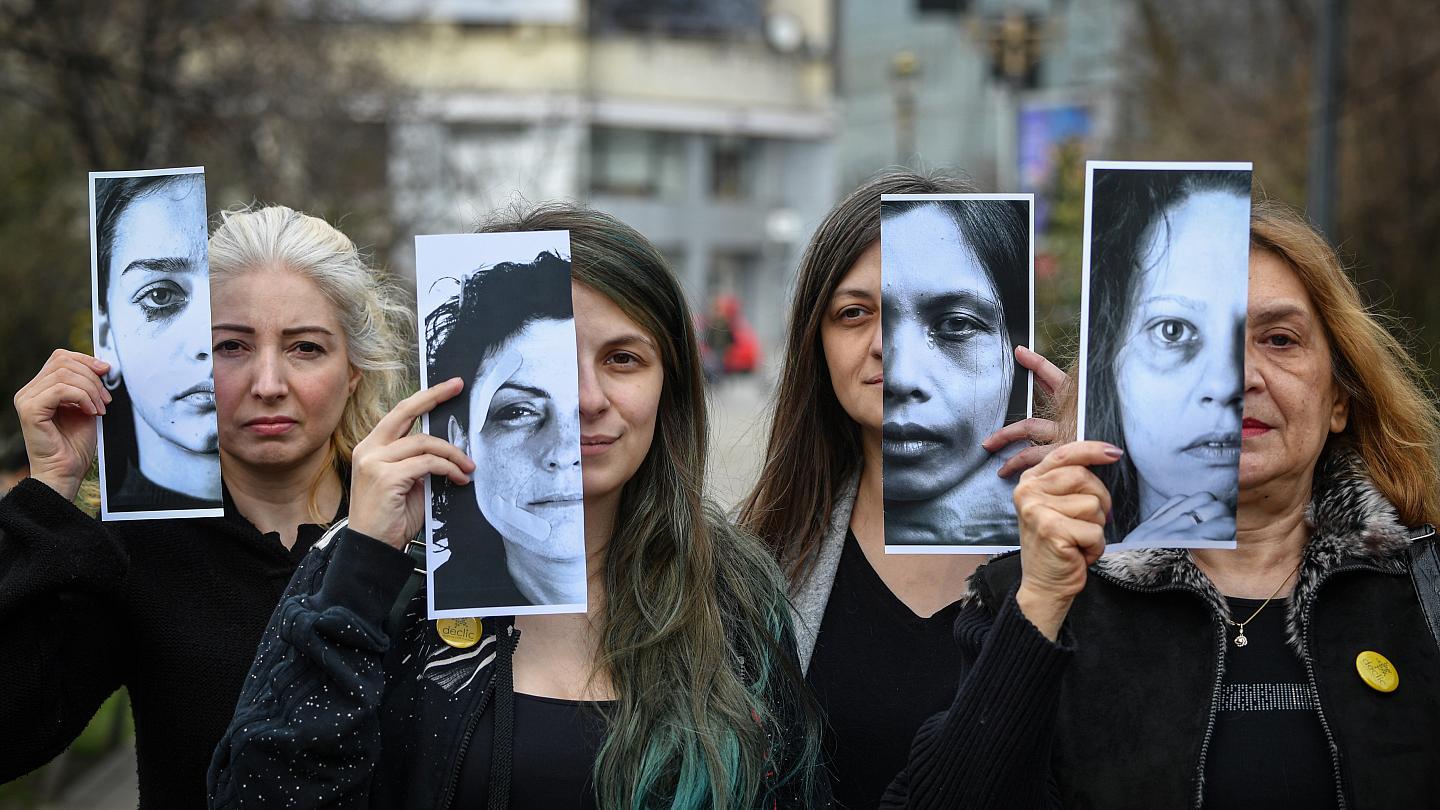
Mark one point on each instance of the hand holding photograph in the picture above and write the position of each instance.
(957, 276)
(1166, 275)
(497, 313)
(158, 443)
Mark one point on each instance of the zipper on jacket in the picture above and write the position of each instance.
(1215, 687)
(1315, 684)
(484, 703)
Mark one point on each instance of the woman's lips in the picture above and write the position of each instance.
(597, 444)
(201, 397)
(557, 500)
(908, 441)
(271, 425)
(876, 380)
(1252, 427)
(1222, 447)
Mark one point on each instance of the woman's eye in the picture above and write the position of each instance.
(852, 313)
(306, 347)
(161, 300)
(622, 359)
(1280, 341)
(228, 346)
(955, 327)
(1173, 332)
(518, 414)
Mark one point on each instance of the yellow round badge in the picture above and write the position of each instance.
(459, 633)
(1377, 672)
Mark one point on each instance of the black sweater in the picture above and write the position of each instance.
(171, 609)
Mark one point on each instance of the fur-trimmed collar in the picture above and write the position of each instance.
(1350, 521)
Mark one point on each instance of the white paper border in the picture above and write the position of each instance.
(1083, 358)
(105, 513)
(960, 548)
(558, 241)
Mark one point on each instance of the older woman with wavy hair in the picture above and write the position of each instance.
(1298, 670)
(308, 344)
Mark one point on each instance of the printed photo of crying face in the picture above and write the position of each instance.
(153, 328)
(955, 280)
(1170, 264)
(515, 534)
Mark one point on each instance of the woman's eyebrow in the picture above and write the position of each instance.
(526, 389)
(852, 292)
(1188, 303)
(1277, 312)
(305, 330)
(629, 340)
(167, 264)
(964, 298)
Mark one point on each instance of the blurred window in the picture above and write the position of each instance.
(734, 168)
(636, 163)
(705, 18)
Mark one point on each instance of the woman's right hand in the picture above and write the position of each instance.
(1186, 518)
(57, 413)
(1062, 507)
(388, 469)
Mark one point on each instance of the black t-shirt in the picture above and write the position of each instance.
(878, 671)
(552, 755)
(1268, 748)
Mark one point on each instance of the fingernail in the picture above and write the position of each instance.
(1113, 452)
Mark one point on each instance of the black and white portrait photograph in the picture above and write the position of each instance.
(1166, 279)
(957, 279)
(158, 445)
(495, 311)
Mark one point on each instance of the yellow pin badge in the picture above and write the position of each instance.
(1377, 672)
(459, 633)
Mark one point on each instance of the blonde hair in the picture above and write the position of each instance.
(1393, 424)
(372, 308)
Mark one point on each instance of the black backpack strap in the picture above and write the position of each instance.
(416, 549)
(1425, 572)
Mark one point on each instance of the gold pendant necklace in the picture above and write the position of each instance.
(1240, 639)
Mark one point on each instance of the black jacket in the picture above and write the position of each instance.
(170, 609)
(335, 713)
(1119, 714)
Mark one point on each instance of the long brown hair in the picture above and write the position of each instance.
(814, 446)
(695, 621)
(1393, 424)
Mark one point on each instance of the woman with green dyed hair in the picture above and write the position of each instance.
(679, 688)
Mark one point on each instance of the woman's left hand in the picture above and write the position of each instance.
(1040, 433)
(388, 469)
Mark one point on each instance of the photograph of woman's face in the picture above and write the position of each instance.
(524, 440)
(154, 330)
(948, 368)
(1179, 370)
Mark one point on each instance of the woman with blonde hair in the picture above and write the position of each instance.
(308, 345)
(1298, 670)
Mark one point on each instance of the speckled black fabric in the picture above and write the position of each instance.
(334, 714)
(171, 609)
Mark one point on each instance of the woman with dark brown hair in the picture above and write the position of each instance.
(867, 624)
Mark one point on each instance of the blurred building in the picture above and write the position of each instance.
(984, 86)
(707, 126)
